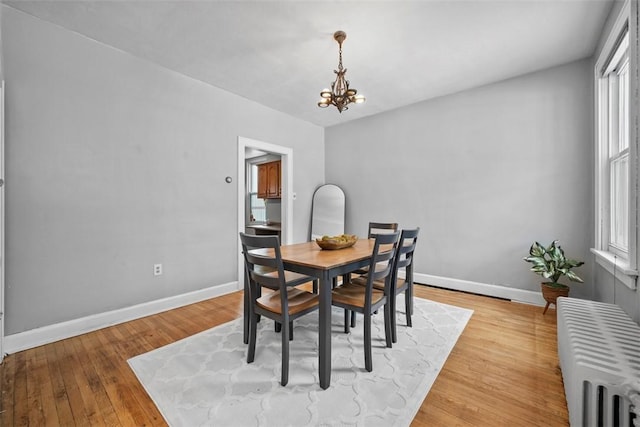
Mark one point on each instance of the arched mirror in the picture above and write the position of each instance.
(327, 211)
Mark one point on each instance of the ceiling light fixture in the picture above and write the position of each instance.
(340, 94)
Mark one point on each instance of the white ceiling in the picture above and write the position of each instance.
(282, 53)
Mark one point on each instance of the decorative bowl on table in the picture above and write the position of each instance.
(337, 242)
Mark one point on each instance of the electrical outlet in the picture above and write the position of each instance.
(157, 269)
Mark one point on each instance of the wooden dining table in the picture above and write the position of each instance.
(326, 265)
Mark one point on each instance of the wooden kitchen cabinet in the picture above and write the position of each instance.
(262, 181)
(269, 186)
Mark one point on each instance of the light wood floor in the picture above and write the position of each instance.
(503, 370)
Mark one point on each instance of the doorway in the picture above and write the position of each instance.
(286, 214)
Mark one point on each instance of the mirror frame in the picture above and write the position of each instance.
(313, 206)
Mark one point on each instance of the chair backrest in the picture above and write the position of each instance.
(381, 228)
(404, 256)
(406, 247)
(381, 264)
(265, 267)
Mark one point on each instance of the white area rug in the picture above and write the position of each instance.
(204, 380)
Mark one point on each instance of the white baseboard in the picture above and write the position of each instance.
(513, 294)
(51, 333)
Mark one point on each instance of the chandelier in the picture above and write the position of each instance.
(340, 94)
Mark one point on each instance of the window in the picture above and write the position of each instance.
(615, 248)
(616, 116)
(257, 209)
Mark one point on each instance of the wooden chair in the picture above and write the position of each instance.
(291, 278)
(359, 295)
(285, 304)
(374, 229)
(403, 259)
(381, 228)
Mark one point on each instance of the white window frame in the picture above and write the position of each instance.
(623, 265)
(252, 178)
(610, 91)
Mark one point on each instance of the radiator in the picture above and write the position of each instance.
(599, 353)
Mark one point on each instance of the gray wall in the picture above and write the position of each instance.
(114, 164)
(484, 173)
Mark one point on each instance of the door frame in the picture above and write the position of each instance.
(2, 185)
(286, 205)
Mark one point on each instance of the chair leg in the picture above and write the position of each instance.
(346, 321)
(388, 329)
(251, 352)
(247, 316)
(285, 353)
(410, 291)
(277, 326)
(258, 295)
(353, 319)
(291, 331)
(392, 317)
(408, 305)
(315, 287)
(368, 364)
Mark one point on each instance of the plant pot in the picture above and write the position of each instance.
(551, 294)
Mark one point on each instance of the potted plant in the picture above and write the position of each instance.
(551, 263)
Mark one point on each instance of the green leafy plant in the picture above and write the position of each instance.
(551, 263)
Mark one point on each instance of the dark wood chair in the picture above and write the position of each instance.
(359, 295)
(285, 304)
(374, 228)
(291, 278)
(381, 228)
(403, 259)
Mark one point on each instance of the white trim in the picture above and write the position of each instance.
(601, 190)
(605, 53)
(2, 230)
(619, 268)
(286, 173)
(51, 333)
(634, 134)
(499, 291)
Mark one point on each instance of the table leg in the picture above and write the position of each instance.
(324, 333)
